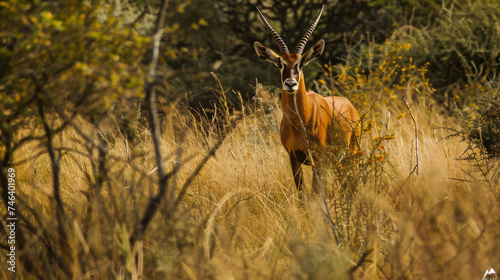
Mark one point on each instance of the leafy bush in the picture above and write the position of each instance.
(377, 72)
(480, 130)
(462, 46)
(485, 132)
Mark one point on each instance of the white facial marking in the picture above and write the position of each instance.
(291, 85)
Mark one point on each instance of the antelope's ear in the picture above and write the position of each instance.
(266, 53)
(314, 52)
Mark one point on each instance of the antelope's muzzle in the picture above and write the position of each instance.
(290, 85)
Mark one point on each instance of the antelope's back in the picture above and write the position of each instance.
(343, 109)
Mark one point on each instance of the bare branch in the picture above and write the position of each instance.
(153, 122)
(50, 146)
(416, 132)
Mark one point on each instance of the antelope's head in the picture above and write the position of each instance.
(290, 65)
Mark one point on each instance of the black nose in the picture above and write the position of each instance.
(290, 84)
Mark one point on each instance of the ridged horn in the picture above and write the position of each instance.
(276, 36)
(303, 41)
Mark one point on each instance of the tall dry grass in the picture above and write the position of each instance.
(242, 218)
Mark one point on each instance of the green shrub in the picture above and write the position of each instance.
(485, 132)
(480, 129)
(462, 47)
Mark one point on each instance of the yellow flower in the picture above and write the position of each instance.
(195, 26)
(202, 22)
(322, 81)
(407, 46)
(380, 158)
(180, 8)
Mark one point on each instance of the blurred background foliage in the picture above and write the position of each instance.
(95, 44)
(458, 41)
(72, 57)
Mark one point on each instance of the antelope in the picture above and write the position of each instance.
(309, 119)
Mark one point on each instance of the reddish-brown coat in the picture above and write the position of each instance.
(319, 114)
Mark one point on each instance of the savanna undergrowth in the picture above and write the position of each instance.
(241, 216)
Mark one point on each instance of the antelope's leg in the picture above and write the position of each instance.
(297, 172)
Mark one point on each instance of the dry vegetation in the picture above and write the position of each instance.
(78, 88)
(241, 217)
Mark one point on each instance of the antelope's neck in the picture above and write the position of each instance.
(300, 97)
